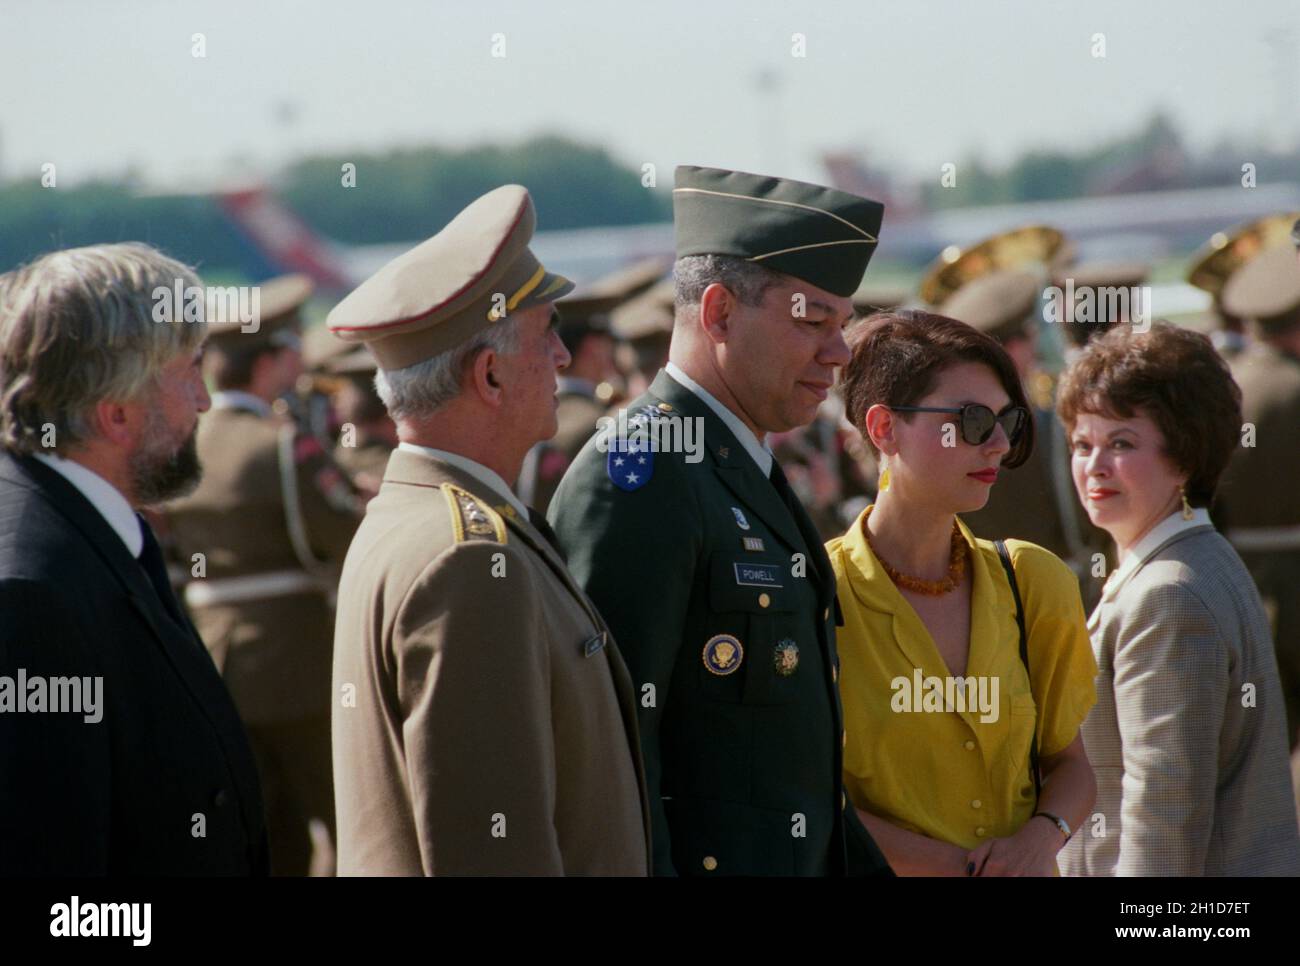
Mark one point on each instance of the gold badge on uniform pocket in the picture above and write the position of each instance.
(786, 658)
(723, 654)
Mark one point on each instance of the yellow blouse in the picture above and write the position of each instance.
(950, 760)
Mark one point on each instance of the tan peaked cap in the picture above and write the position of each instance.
(1266, 288)
(999, 304)
(279, 300)
(446, 290)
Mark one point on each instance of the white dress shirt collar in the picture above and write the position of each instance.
(238, 399)
(1144, 548)
(761, 453)
(488, 477)
(103, 496)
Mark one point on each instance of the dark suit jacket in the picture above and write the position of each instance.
(743, 768)
(164, 783)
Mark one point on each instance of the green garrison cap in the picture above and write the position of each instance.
(820, 235)
(443, 292)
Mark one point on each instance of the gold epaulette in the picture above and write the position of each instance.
(471, 519)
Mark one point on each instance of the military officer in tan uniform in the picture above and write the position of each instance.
(584, 330)
(257, 539)
(1035, 501)
(367, 436)
(1259, 506)
(483, 719)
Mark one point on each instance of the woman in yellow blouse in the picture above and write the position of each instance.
(940, 712)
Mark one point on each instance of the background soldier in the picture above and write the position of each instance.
(583, 393)
(363, 449)
(259, 535)
(710, 573)
(1260, 503)
(1036, 501)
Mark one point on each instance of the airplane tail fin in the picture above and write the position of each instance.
(283, 239)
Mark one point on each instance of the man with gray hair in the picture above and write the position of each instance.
(483, 720)
(100, 393)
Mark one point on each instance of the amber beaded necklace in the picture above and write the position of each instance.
(929, 588)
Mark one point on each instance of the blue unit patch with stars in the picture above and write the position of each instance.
(629, 463)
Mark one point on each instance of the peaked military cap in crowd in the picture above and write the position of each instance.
(1106, 274)
(999, 304)
(356, 362)
(472, 274)
(279, 320)
(1266, 288)
(820, 235)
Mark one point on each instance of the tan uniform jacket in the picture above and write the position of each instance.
(272, 651)
(484, 722)
(1259, 496)
(576, 416)
(366, 459)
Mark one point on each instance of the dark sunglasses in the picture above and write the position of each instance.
(977, 421)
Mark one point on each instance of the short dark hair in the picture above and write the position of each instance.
(232, 367)
(898, 357)
(1176, 377)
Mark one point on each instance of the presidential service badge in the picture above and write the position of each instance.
(723, 654)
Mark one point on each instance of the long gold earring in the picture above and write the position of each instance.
(1187, 507)
(884, 480)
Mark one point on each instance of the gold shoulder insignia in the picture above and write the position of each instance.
(471, 519)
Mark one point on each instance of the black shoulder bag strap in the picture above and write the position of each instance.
(1005, 555)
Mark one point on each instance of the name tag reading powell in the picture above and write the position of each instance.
(758, 575)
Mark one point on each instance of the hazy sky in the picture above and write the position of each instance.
(98, 86)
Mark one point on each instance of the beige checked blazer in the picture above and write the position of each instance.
(1187, 738)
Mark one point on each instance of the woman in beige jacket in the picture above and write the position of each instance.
(1187, 738)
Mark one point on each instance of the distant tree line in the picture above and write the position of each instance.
(399, 195)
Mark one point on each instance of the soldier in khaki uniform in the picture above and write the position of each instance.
(1259, 506)
(256, 538)
(485, 722)
(584, 330)
(1103, 299)
(367, 436)
(1035, 501)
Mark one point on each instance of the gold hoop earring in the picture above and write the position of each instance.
(1187, 507)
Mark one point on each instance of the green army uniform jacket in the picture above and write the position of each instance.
(722, 600)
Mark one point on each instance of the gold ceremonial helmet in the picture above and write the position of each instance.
(1226, 251)
(1012, 249)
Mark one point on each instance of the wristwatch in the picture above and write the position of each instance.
(1059, 822)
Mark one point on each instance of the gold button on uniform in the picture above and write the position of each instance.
(970, 745)
(980, 831)
(826, 614)
(667, 408)
(710, 863)
(976, 804)
(764, 600)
